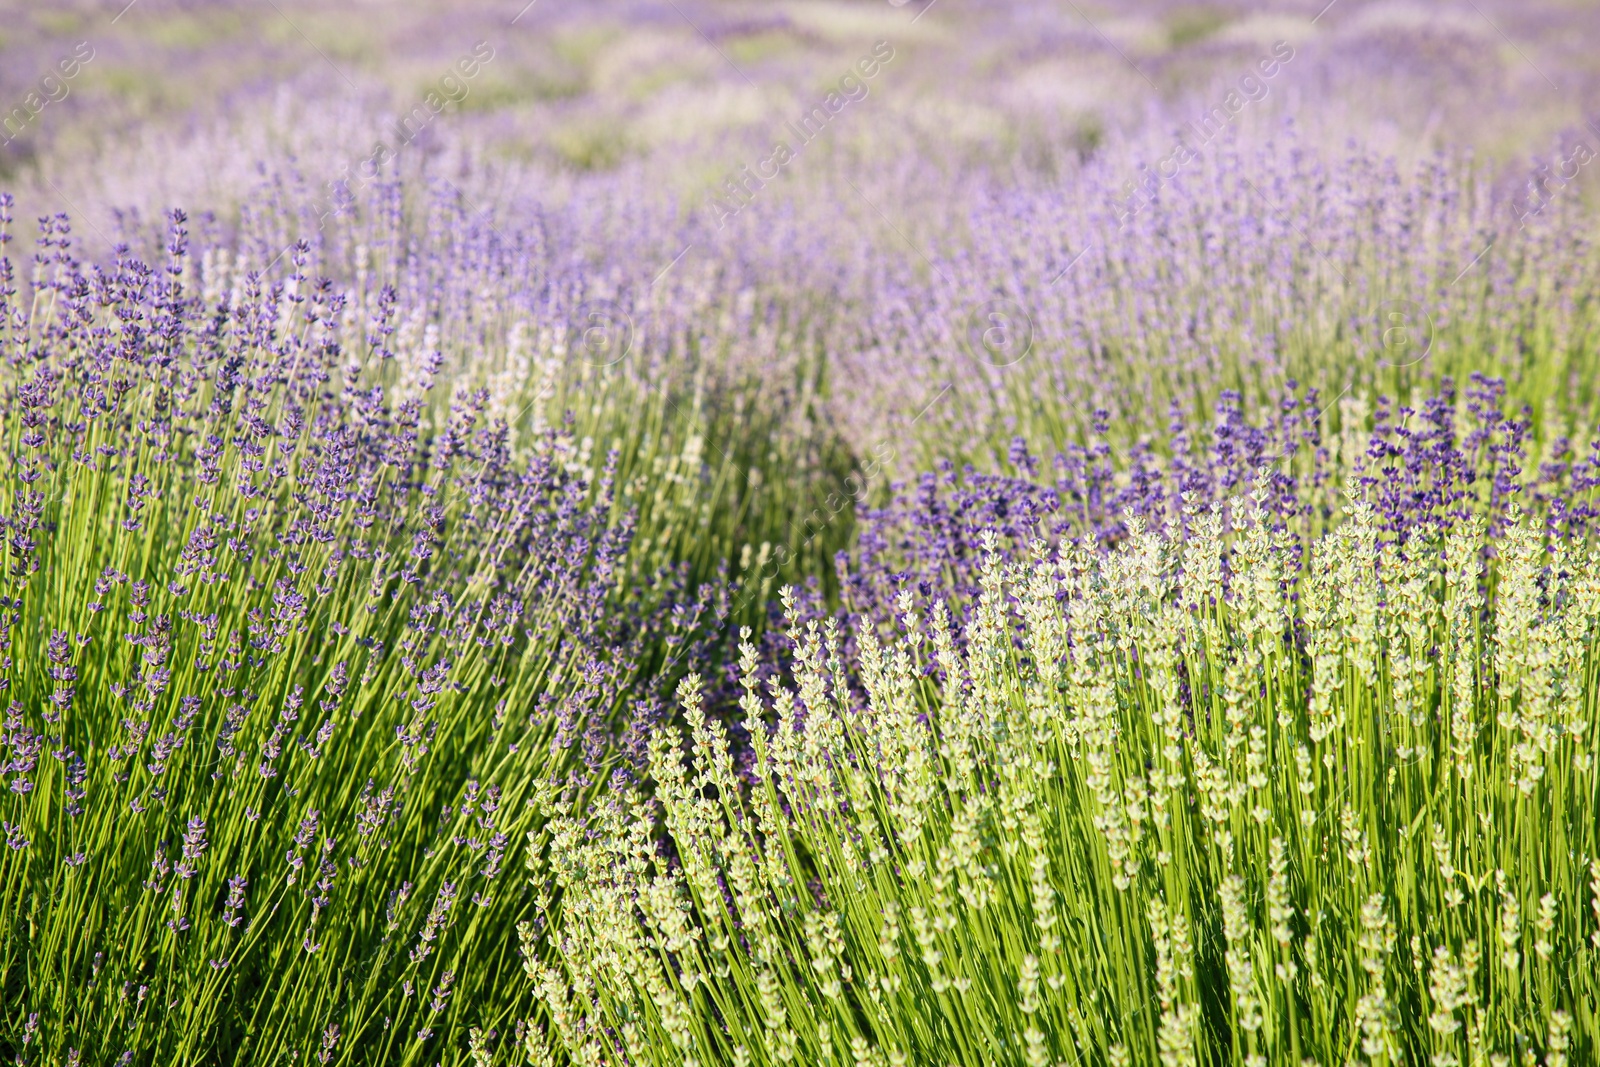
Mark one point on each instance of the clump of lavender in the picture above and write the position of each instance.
(1135, 816)
(292, 631)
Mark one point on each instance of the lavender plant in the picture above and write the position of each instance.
(1129, 819)
(287, 641)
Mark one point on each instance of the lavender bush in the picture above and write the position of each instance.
(1129, 818)
(283, 662)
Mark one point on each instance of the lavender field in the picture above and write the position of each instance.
(966, 533)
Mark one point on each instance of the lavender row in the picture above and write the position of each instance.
(292, 634)
(1459, 459)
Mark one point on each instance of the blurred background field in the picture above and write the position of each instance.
(668, 73)
(183, 99)
(620, 126)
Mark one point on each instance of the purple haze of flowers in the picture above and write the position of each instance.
(1425, 468)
